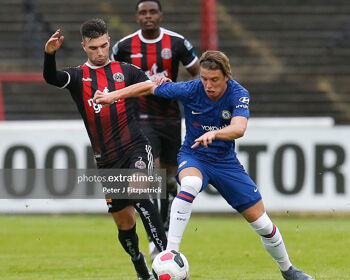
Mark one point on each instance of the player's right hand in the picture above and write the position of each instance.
(103, 98)
(54, 43)
(161, 79)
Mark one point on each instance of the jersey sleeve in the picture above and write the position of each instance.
(181, 91)
(60, 78)
(241, 100)
(137, 75)
(187, 54)
(115, 56)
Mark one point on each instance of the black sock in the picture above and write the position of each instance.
(165, 205)
(130, 242)
(152, 222)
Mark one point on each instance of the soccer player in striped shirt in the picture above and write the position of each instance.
(216, 113)
(158, 52)
(114, 132)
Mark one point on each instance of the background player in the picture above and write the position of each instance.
(158, 52)
(216, 112)
(113, 130)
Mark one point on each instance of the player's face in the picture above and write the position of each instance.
(148, 16)
(97, 49)
(214, 82)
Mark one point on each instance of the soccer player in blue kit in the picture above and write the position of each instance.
(216, 113)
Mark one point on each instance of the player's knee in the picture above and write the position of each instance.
(263, 225)
(191, 184)
(124, 220)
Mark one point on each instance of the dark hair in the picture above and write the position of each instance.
(93, 28)
(216, 60)
(156, 1)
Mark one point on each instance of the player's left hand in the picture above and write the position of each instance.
(103, 98)
(206, 139)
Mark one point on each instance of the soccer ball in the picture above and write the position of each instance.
(170, 265)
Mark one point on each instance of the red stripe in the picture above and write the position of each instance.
(105, 115)
(272, 233)
(166, 44)
(136, 49)
(185, 196)
(151, 56)
(90, 110)
(121, 110)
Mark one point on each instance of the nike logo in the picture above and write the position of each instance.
(255, 190)
(196, 113)
(181, 212)
(87, 80)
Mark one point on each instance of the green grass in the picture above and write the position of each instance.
(217, 247)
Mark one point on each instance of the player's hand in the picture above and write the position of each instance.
(103, 98)
(161, 79)
(206, 139)
(54, 43)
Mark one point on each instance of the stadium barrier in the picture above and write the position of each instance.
(298, 164)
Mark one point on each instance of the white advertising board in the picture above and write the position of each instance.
(297, 167)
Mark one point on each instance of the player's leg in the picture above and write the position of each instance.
(123, 214)
(191, 181)
(269, 233)
(241, 193)
(145, 207)
(151, 133)
(171, 193)
(272, 241)
(170, 136)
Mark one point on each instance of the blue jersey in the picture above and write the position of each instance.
(203, 115)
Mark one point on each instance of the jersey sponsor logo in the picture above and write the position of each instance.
(188, 45)
(166, 53)
(153, 73)
(212, 127)
(242, 106)
(136, 55)
(196, 124)
(226, 115)
(140, 164)
(196, 113)
(244, 100)
(87, 80)
(182, 163)
(118, 77)
(97, 107)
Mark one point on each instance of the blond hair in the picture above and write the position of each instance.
(216, 60)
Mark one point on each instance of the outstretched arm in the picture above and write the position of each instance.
(51, 75)
(135, 90)
(235, 130)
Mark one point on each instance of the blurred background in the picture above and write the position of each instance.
(293, 56)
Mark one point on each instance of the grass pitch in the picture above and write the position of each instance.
(217, 247)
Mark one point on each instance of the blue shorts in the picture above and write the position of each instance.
(229, 178)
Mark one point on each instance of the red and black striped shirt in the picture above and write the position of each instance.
(113, 130)
(157, 57)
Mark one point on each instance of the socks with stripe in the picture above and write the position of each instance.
(181, 210)
(272, 241)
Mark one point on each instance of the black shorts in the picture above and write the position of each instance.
(165, 139)
(139, 158)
